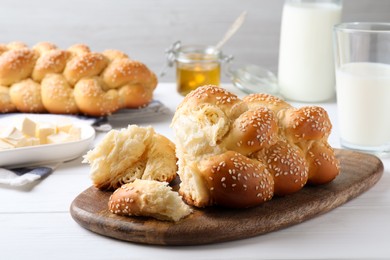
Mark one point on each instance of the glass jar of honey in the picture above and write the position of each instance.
(196, 65)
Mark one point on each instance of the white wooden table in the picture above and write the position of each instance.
(35, 222)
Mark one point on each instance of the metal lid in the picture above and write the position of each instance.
(187, 53)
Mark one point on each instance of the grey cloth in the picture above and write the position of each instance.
(24, 175)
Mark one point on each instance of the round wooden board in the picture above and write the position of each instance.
(359, 172)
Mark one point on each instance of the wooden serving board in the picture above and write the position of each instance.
(359, 172)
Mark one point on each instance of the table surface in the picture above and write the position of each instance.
(35, 221)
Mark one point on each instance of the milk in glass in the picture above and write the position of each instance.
(363, 97)
(306, 64)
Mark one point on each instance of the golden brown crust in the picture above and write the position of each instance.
(3, 48)
(16, 65)
(85, 65)
(306, 123)
(323, 165)
(288, 166)
(120, 82)
(6, 105)
(233, 180)
(111, 54)
(57, 95)
(289, 144)
(229, 103)
(51, 61)
(148, 198)
(134, 96)
(124, 71)
(16, 45)
(26, 95)
(252, 131)
(42, 47)
(93, 100)
(261, 99)
(78, 49)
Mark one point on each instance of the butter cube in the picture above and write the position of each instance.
(6, 131)
(4, 145)
(60, 137)
(43, 130)
(14, 137)
(75, 133)
(15, 134)
(28, 127)
(64, 125)
(30, 133)
(33, 141)
(25, 142)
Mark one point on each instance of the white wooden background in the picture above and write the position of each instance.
(145, 28)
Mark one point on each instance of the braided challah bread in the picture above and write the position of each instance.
(47, 79)
(240, 153)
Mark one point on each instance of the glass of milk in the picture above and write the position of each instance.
(306, 66)
(362, 58)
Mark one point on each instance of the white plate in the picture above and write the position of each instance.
(47, 153)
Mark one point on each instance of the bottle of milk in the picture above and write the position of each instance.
(306, 68)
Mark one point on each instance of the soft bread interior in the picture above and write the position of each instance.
(149, 198)
(131, 153)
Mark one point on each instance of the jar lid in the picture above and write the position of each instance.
(197, 53)
(191, 53)
(254, 79)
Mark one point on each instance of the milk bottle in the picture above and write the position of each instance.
(306, 65)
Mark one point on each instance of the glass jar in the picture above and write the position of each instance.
(252, 79)
(196, 65)
(306, 65)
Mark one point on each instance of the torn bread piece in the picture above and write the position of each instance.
(148, 198)
(131, 153)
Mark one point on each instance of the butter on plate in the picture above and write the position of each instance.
(30, 133)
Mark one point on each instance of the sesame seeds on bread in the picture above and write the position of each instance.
(148, 198)
(86, 82)
(240, 153)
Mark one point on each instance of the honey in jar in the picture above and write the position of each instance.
(197, 66)
(201, 71)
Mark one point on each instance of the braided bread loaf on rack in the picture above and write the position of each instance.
(47, 79)
(240, 153)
